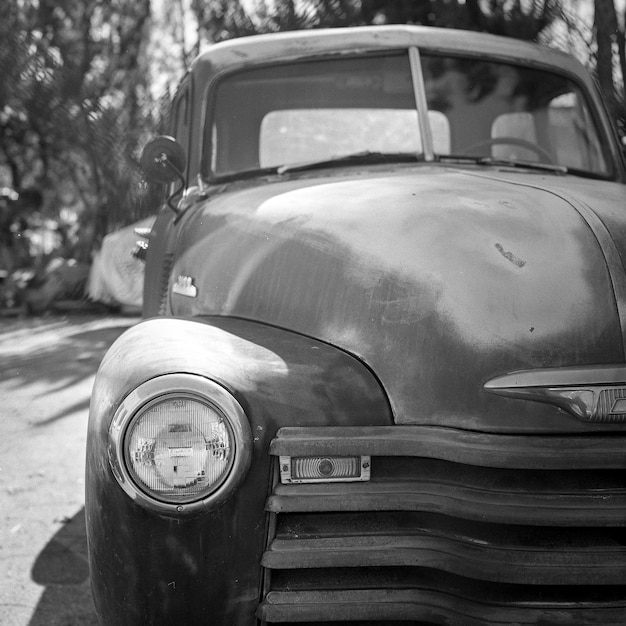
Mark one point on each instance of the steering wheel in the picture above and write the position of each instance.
(512, 141)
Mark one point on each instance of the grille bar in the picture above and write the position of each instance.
(550, 452)
(465, 556)
(469, 502)
(429, 606)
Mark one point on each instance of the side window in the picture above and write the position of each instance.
(180, 125)
(570, 124)
(181, 118)
(562, 127)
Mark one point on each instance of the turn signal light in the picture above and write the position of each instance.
(321, 469)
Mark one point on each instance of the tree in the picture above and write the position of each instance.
(74, 104)
(610, 57)
(226, 19)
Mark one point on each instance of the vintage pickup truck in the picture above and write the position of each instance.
(381, 376)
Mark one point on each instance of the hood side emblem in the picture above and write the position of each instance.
(184, 287)
(594, 394)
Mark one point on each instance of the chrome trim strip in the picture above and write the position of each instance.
(591, 394)
(561, 377)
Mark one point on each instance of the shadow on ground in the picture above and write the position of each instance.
(46, 368)
(62, 569)
(70, 358)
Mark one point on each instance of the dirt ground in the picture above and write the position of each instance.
(47, 366)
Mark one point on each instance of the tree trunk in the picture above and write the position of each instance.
(605, 29)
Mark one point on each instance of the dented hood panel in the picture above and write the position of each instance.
(438, 279)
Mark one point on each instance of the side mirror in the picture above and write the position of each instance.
(163, 160)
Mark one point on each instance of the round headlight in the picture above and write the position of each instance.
(180, 442)
(179, 448)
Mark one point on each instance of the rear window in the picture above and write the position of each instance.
(315, 110)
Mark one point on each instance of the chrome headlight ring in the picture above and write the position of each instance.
(179, 443)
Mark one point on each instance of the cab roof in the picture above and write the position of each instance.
(293, 45)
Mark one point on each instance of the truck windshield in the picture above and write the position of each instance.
(303, 112)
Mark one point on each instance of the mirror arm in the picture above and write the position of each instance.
(170, 200)
(163, 160)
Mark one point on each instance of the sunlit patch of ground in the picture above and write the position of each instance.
(47, 365)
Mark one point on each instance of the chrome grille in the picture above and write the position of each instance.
(453, 528)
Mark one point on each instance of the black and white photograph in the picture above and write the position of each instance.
(312, 312)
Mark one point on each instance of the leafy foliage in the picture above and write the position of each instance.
(74, 105)
(226, 19)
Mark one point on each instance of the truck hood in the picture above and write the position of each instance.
(438, 279)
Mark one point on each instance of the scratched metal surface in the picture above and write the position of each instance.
(437, 278)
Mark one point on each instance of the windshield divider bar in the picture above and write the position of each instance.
(419, 91)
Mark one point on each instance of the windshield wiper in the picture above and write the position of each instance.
(356, 158)
(244, 174)
(492, 161)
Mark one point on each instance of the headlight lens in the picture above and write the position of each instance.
(179, 448)
(179, 443)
